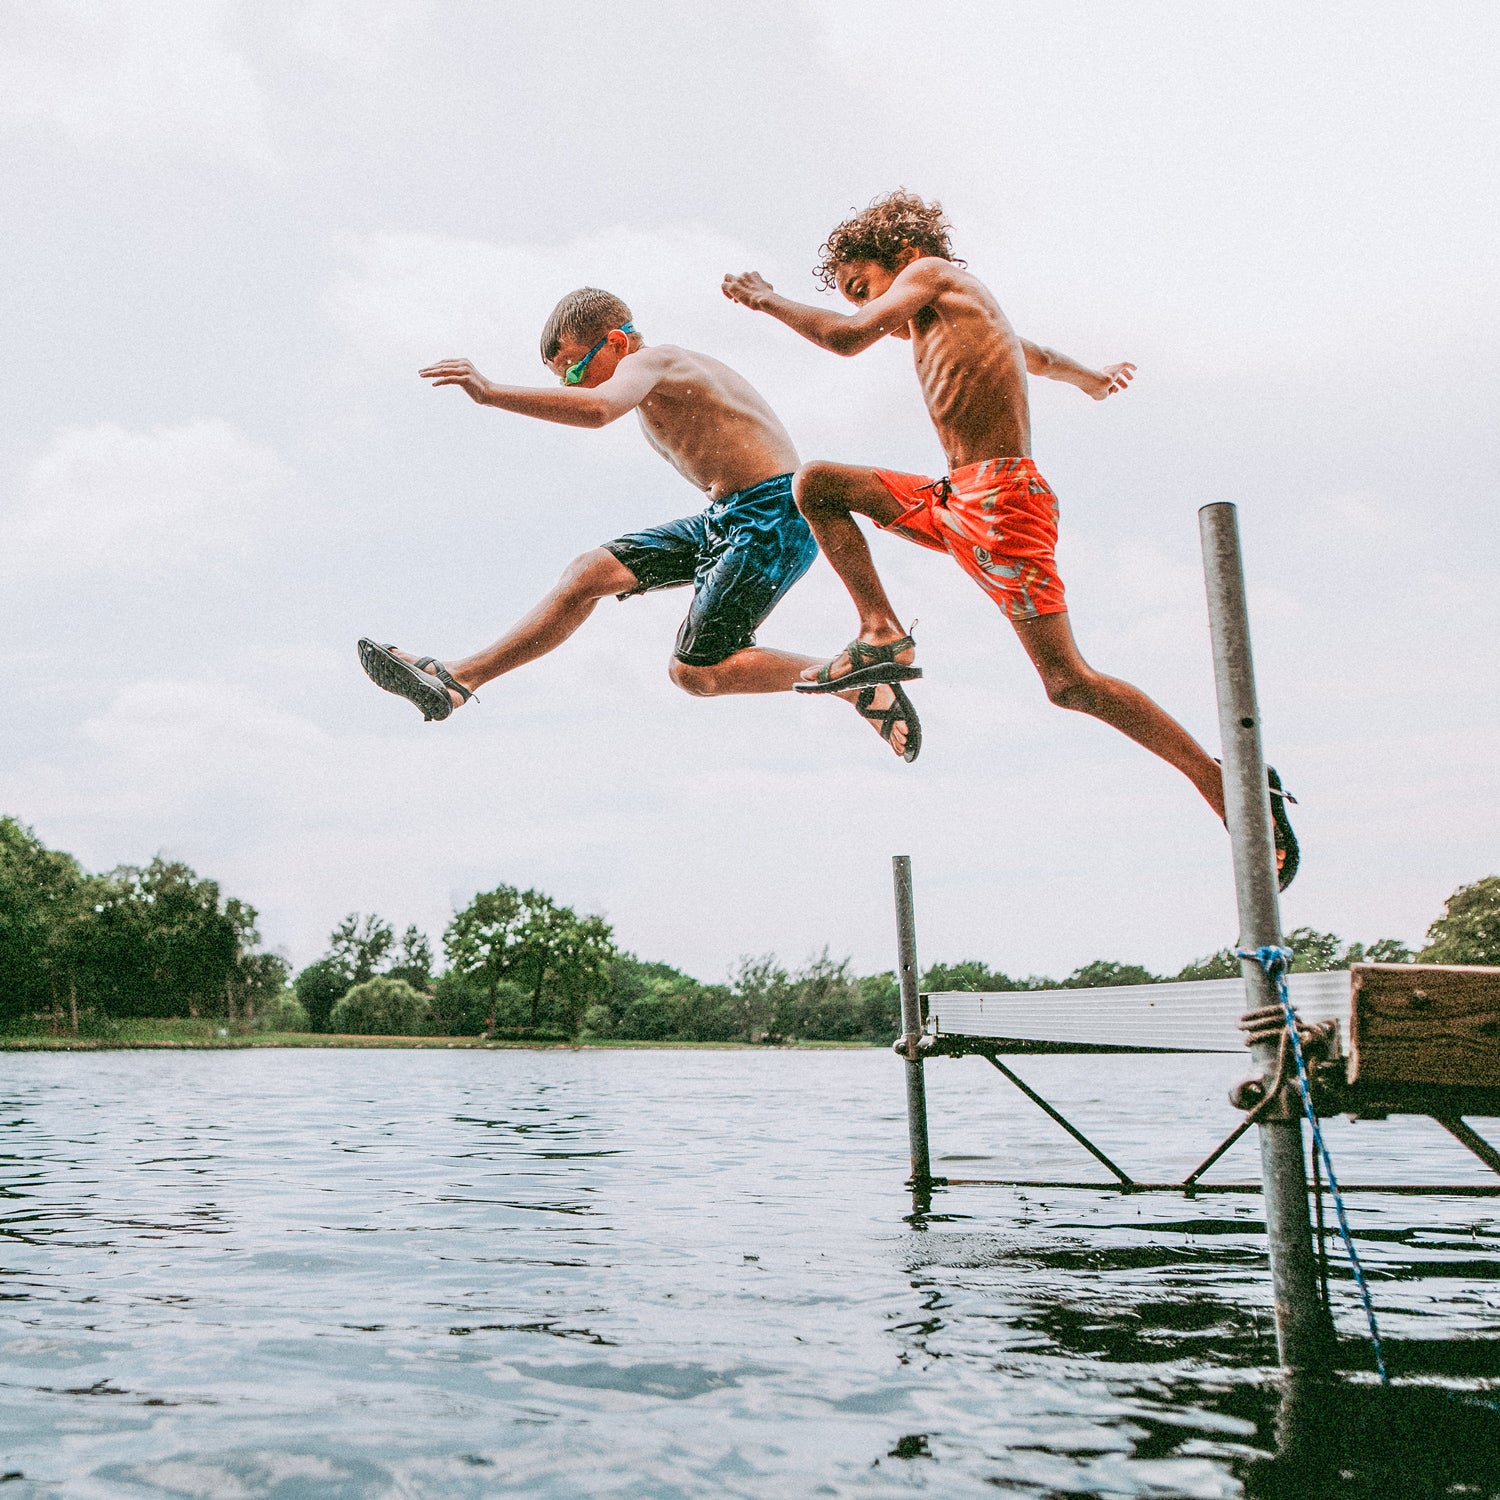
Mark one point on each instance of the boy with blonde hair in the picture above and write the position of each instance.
(740, 554)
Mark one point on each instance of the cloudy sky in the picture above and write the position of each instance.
(233, 232)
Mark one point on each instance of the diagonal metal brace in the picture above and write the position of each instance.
(1078, 1135)
(1473, 1140)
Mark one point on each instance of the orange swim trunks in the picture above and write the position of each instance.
(999, 520)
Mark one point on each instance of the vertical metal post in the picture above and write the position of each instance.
(1304, 1330)
(911, 1023)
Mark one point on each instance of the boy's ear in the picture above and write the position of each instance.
(618, 341)
(906, 255)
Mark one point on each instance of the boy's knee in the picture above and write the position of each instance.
(587, 574)
(815, 487)
(701, 682)
(1072, 690)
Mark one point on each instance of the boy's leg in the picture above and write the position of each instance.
(585, 581)
(1071, 683)
(758, 669)
(760, 548)
(829, 496)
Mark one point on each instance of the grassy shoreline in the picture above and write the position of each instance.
(208, 1036)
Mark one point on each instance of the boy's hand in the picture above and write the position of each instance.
(748, 288)
(459, 372)
(1110, 379)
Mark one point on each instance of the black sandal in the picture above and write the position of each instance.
(409, 680)
(1281, 828)
(1286, 840)
(869, 666)
(900, 711)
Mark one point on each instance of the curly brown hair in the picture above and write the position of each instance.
(883, 231)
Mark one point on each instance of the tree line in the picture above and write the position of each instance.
(81, 951)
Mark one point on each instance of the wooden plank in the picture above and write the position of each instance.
(1192, 1016)
(1424, 1024)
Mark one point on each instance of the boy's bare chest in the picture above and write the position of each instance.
(676, 420)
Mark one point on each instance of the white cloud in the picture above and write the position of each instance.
(402, 300)
(355, 36)
(161, 78)
(105, 499)
(191, 738)
(404, 295)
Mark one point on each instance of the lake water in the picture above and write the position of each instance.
(669, 1274)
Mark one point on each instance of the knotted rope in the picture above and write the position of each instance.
(1275, 961)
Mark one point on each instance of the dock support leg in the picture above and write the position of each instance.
(1304, 1330)
(911, 1025)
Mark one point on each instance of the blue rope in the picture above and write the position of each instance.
(1275, 962)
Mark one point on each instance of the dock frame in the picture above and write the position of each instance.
(1305, 1334)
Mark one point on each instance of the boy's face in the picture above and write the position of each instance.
(600, 367)
(862, 281)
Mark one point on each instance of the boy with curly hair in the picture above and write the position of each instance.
(992, 511)
(740, 555)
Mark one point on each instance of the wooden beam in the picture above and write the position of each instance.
(1433, 1025)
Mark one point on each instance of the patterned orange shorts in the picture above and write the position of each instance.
(999, 520)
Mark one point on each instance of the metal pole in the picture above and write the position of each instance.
(911, 1023)
(1304, 1330)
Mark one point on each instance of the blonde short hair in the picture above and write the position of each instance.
(584, 316)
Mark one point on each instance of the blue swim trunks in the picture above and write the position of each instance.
(741, 555)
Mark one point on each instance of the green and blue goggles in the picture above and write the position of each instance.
(575, 372)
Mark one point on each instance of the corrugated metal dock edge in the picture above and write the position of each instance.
(1196, 1016)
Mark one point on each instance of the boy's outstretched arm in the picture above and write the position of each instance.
(842, 333)
(634, 379)
(1096, 383)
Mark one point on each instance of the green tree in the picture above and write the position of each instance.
(758, 994)
(357, 949)
(880, 1007)
(461, 1007)
(524, 937)
(414, 960)
(161, 942)
(1468, 932)
(1381, 951)
(570, 963)
(1102, 973)
(45, 907)
(970, 975)
(655, 1002)
(382, 1006)
(283, 1012)
(698, 1012)
(320, 986)
(822, 1003)
(360, 946)
(1220, 965)
(263, 980)
(1315, 952)
(485, 940)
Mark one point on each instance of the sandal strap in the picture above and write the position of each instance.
(443, 675)
(886, 718)
(863, 654)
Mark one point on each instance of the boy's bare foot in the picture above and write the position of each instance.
(888, 708)
(883, 657)
(422, 681)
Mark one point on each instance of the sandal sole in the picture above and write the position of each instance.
(878, 676)
(420, 689)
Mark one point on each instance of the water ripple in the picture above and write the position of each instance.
(316, 1275)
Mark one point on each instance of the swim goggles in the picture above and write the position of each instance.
(575, 372)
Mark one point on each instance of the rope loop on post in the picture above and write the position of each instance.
(1276, 961)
